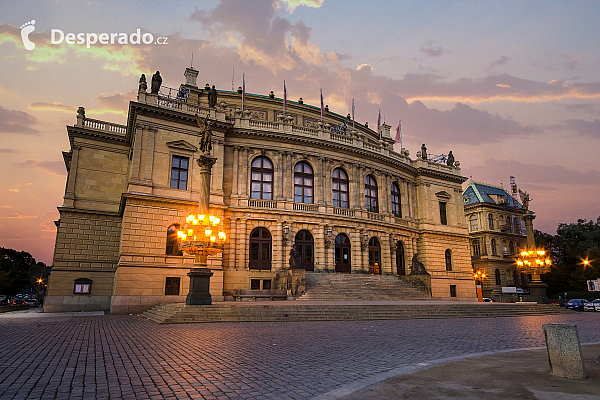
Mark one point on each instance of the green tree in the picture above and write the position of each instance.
(18, 271)
(572, 244)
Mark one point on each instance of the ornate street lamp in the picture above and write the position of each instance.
(479, 276)
(534, 261)
(200, 235)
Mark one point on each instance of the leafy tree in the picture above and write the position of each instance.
(18, 271)
(572, 244)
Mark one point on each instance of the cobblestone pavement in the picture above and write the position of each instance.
(129, 357)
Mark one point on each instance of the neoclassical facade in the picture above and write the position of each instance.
(497, 231)
(342, 195)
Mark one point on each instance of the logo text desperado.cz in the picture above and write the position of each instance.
(58, 36)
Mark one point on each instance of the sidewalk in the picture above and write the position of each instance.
(509, 375)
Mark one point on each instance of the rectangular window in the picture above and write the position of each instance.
(255, 284)
(266, 284)
(82, 286)
(443, 218)
(172, 286)
(452, 290)
(476, 248)
(179, 172)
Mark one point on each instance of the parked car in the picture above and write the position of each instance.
(32, 302)
(575, 304)
(487, 300)
(4, 302)
(593, 305)
(18, 302)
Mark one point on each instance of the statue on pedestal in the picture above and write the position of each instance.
(423, 152)
(212, 97)
(205, 133)
(417, 267)
(156, 83)
(450, 161)
(295, 258)
(143, 84)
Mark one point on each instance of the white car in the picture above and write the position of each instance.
(487, 300)
(593, 305)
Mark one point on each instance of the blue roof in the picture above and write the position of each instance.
(477, 192)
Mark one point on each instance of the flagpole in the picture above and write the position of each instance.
(284, 98)
(352, 113)
(321, 104)
(232, 76)
(243, 91)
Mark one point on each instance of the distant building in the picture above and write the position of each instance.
(497, 232)
(337, 190)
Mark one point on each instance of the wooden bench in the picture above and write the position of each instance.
(271, 294)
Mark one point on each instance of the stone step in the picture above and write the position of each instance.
(311, 312)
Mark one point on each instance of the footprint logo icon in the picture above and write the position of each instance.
(26, 29)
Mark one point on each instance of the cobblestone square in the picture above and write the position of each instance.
(129, 357)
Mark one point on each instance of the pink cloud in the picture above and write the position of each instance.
(13, 121)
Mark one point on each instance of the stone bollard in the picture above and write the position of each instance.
(564, 351)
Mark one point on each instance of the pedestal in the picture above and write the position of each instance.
(199, 287)
(537, 292)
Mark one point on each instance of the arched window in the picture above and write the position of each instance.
(476, 247)
(491, 221)
(374, 256)
(473, 222)
(371, 194)
(342, 254)
(494, 248)
(305, 245)
(498, 279)
(511, 248)
(396, 209)
(339, 183)
(173, 241)
(261, 186)
(448, 256)
(260, 249)
(303, 183)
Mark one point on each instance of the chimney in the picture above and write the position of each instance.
(190, 76)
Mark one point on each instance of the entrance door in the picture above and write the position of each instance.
(260, 249)
(305, 246)
(374, 257)
(400, 263)
(342, 254)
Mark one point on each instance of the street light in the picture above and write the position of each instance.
(479, 276)
(534, 262)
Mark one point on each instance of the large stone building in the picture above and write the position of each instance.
(497, 232)
(337, 190)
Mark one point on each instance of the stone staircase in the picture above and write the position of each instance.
(294, 311)
(359, 287)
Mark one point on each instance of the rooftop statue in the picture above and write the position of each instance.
(450, 161)
(525, 200)
(156, 83)
(424, 152)
(143, 83)
(212, 97)
(206, 133)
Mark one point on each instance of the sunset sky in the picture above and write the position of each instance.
(511, 87)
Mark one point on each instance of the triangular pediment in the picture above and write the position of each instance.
(182, 145)
(443, 195)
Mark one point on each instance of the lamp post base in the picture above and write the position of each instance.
(199, 294)
(537, 292)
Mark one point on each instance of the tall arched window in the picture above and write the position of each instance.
(396, 209)
(498, 278)
(476, 247)
(371, 194)
(491, 221)
(339, 183)
(494, 248)
(473, 222)
(303, 183)
(448, 256)
(173, 241)
(261, 186)
(374, 256)
(305, 245)
(260, 249)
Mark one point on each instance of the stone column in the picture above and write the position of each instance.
(327, 188)
(288, 177)
(236, 165)
(386, 257)
(279, 174)
(233, 235)
(137, 156)
(242, 250)
(318, 183)
(69, 198)
(243, 180)
(384, 197)
(149, 154)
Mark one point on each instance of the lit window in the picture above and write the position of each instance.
(173, 241)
